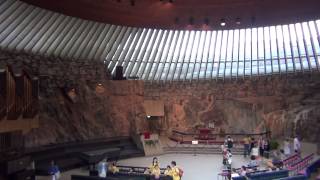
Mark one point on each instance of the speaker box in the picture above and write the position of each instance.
(119, 73)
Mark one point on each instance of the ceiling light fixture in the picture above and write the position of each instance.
(223, 22)
(238, 21)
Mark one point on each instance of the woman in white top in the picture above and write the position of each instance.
(296, 145)
(255, 151)
(286, 148)
(102, 168)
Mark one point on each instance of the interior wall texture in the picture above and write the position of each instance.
(286, 105)
(78, 101)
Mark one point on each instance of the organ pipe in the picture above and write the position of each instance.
(2, 93)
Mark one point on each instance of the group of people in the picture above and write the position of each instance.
(104, 168)
(171, 170)
(260, 148)
(256, 148)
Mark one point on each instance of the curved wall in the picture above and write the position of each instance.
(155, 54)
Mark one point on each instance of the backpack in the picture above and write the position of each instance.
(180, 172)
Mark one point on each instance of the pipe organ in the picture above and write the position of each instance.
(3, 93)
(30, 97)
(18, 94)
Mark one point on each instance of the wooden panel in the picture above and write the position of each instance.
(11, 92)
(11, 141)
(15, 94)
(154, 108)
(30, 96)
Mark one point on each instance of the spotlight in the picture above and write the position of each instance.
(223, 22)
(191, 21)
(206, 21)
(238, 21)
(99, 84)
(148, 117)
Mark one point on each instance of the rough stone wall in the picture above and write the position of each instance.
(91, 111)
(285, 105)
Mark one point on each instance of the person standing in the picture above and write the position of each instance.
(168, 170)
(255, 151)
(246, 146)
(175, 171)
(261, 146)
(296, 145)
(286, 147)
(54, 171)
(113, 168)
(102, 168)
(252, 143)
(266, 149)
(229, 142)
(156, 172)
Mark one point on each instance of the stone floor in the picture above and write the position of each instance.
(204, 167)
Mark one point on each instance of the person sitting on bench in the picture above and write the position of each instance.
(113, 168)
(168, 170)
(276, 161)
(253, 162)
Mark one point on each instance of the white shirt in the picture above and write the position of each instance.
(286, 148)
(296, 144)
(255, 151)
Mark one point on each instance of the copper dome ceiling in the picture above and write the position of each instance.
(187, 14)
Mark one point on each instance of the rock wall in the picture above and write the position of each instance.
(285, 105)
(78, 101)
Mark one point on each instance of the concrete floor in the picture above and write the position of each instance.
(199, 167)
(204, 167)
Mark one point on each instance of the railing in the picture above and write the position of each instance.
(183, 136)
(300, 165)
(136, 169)
(291, 160)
